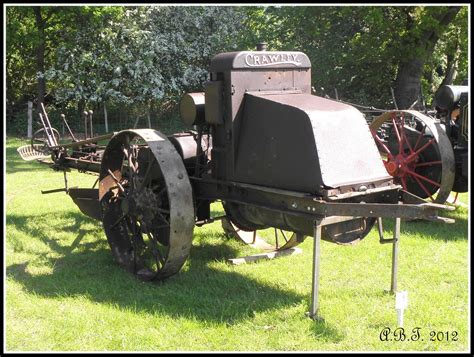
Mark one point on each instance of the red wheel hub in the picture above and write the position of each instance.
(399, 165)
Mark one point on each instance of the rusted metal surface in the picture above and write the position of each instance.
(330, 146)
(191, 108)
(259, 59)
(87, 199)
(86, 141)
(152, 205)
(265, 207)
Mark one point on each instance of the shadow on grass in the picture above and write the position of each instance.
(36, 227)
(199, 291)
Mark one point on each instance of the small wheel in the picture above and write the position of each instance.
(347, 232)
(146, 202)
(416, 152)
(39, 141)
(236, 226)
(279, 240)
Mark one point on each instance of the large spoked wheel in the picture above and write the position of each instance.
(416, 152)
(39, 141)
(238, 228)
(146, 203)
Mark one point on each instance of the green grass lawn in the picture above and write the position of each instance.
(64, 292)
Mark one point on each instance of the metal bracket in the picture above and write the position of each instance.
(382, 240)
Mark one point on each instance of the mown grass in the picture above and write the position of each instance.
(65, 293)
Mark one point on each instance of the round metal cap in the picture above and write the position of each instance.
(191, 108)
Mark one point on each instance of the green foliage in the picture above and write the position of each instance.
(454, 44)
(20, 66)
(357, 49)
(144, 58)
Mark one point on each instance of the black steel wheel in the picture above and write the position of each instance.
(146, 203)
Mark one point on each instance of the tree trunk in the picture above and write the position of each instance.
(451, 70)
(29, 132)
(410, 68)
(407, 84)
(148, 117)
(106, 122)
(40, 50)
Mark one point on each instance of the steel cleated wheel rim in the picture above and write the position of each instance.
(146, 204)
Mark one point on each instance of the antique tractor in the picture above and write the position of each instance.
(274, 154)
(428, 156)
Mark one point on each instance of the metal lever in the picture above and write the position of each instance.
(63, 117)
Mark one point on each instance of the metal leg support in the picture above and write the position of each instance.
(313, 313)
(396, 238)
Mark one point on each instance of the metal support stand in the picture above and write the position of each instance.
(396, 238)
(314, 309)
(395, 241)
(317, 232)
(313, 312)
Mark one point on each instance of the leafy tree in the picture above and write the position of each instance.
(20, 66)
(423, 28)
(142, 58)
(363, 51)
(145, 57)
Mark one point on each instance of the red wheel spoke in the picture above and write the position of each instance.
(424, 188)
(413, 155)
(429, 163)
(412, 173)
(382, 144)
(404, 135)
(419, 137)
(404, 182)
(396, 130)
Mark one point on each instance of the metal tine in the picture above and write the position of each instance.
(55, 143)
(48, 135)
